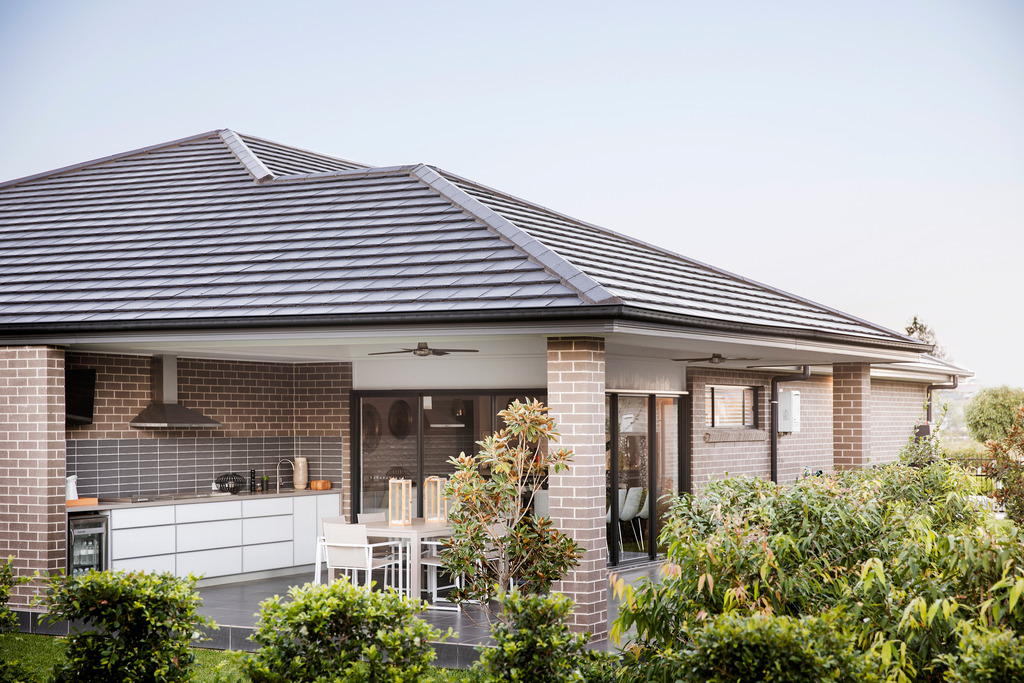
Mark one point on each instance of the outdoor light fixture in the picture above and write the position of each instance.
(399, 502)
(435, 505)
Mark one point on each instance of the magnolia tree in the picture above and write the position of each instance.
(497, 543)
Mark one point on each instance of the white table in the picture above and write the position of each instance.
(417, 532)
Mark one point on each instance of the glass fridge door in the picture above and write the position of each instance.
(88, 545)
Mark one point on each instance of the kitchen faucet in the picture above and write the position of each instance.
(277, 478)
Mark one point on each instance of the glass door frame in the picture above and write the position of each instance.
(683, 448)
(356, 429)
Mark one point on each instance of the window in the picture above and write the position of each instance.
(726, 406)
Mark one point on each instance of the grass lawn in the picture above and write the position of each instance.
(40, 653)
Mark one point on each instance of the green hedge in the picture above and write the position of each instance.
(533, 644)
(733, 649)
(987, 657)
(898, 554)
(135, 626)
(340, 632)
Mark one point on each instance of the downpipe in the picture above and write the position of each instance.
(931, 388)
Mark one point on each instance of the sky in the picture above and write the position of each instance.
(866, 155)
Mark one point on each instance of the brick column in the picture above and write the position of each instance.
(851, 415)
(32, 461)
(577, 496)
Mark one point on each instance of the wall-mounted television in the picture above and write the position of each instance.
(79, 396)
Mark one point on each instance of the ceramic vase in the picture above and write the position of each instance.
(301, 475)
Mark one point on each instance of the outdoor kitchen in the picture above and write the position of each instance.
(231, 487)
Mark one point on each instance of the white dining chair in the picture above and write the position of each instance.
(640, 521)
(347, 549)
(433, 562)
(321, 553)
(630, 508)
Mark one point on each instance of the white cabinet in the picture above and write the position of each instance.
(305, 529)
(205, 535)
(223, 537)
(142, 542)
(267, 529)
(266, 507)
(208, 512)
(141, 517)
(220, 562)
(257, 558)
(153, 563)
(327, 505)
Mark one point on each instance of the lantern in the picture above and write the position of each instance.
(399, 502)
(435, 505)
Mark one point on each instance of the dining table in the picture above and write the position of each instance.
(415, 533)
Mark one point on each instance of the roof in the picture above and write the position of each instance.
(223, 226)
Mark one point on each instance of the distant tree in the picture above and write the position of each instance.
(992, 412)
(919, 329)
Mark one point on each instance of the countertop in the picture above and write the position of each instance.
(189, 498)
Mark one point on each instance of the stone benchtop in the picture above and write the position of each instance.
(186, 498)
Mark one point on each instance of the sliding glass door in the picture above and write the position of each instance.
(645, 460)
(413, 435)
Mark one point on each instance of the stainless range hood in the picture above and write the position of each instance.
(164, 412)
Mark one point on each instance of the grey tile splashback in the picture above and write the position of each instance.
(125, 467)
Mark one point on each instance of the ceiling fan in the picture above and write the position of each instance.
(714, 359)
(422, 350)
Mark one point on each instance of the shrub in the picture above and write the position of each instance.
(898, 550)
(340, 632)
(1007, 467)
(14, 672)
(733, 648)
(495, 541)
(533, 644)
(8, 580)
(987, 657)
(138, 625)
(992, 411)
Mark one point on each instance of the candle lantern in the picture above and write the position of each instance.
(435, 505)
(399, 502)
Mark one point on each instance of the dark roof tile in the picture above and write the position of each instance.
(224, 224)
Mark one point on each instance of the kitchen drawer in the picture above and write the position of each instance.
(154, 540)
(153, 563)
(208, 512)
(256, 558)
(207, 563)
(141, 517)
(206, 535)
(266, 507)
(267, 530)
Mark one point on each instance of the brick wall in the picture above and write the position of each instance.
(851, 407)
(896, 408)
(812, 445)
(122, 391)
(249, 399)
(576, 384)
(713, 460)
(32, 520)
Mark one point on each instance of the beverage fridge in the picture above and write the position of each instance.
(87, 543)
